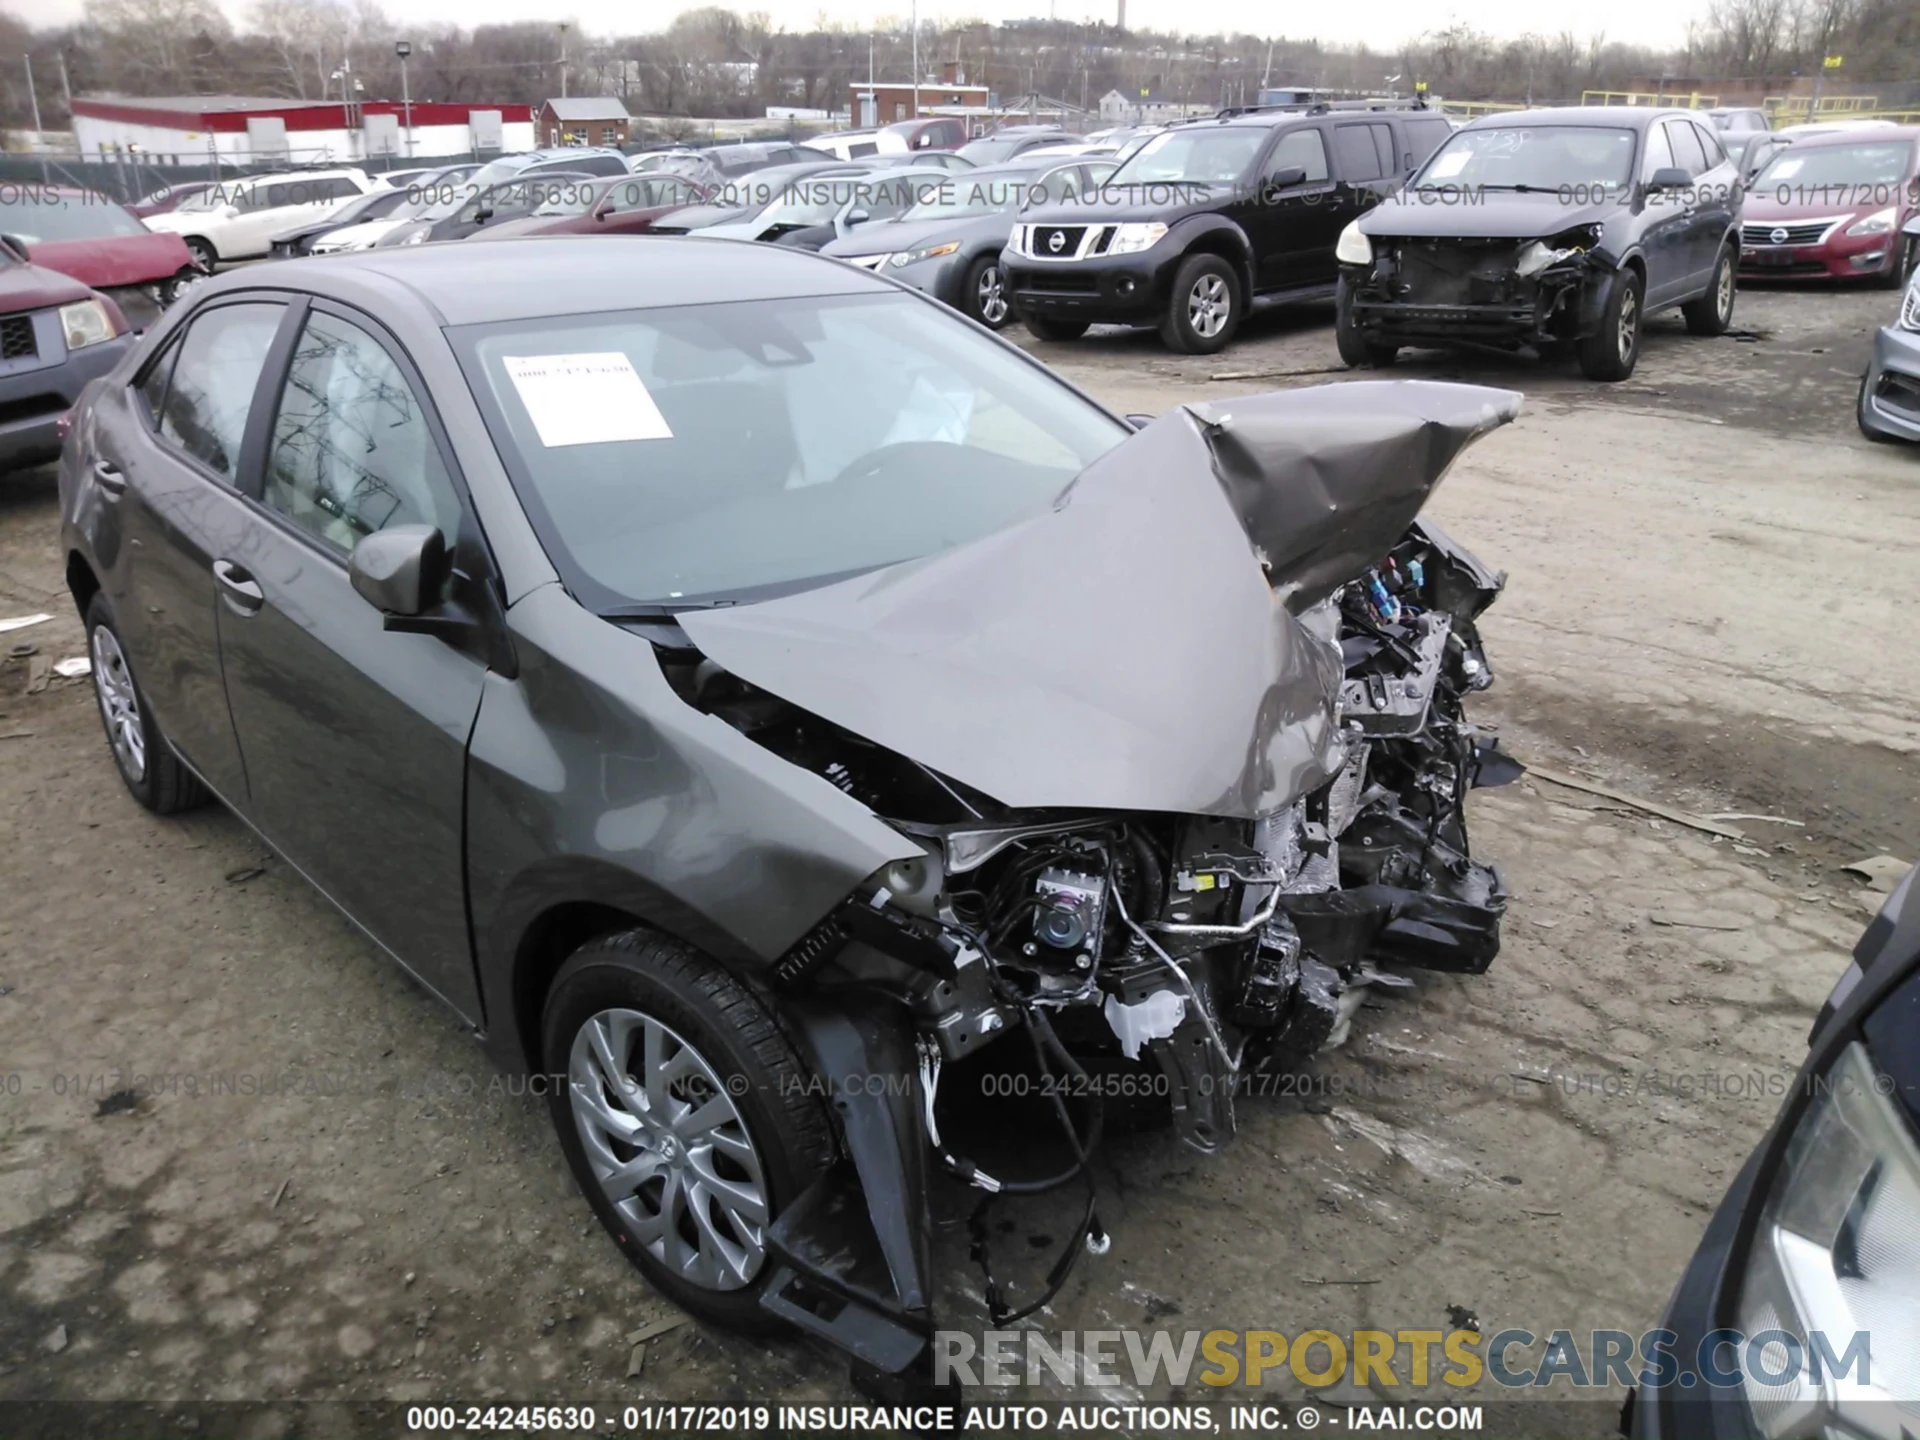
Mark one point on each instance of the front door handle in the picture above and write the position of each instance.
(109, 477)
(239, 589)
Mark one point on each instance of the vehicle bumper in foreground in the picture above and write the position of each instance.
(33, 401)
(1890, 399)
(1122, 290)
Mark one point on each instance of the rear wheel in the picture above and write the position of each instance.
(152, 772)
(1613, 349)
(1203, 308)
(1354, 346)
(985, 294)
(686, 1117)
(1056, 330)
(1712, 313)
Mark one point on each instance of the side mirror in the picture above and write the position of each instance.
(15, 247)
(1139, 422)
(398, 571)
(1669, 177)
(483, 215)
(1288, 178)
(857, 217)
(604, 208)
(232, 212)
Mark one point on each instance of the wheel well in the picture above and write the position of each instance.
(1215, 242)
(543, 949)
(82, 583)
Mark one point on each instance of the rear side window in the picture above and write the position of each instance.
(1302, 150)
(1365, 152)
(1687, 152)
(204, 411)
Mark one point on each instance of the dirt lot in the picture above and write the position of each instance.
(1709, 575)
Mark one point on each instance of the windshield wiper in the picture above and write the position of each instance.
(661, 609)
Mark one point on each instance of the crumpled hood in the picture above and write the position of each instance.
(1485, 215)
(1125, 650)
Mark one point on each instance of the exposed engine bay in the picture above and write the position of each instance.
(1494, 290)
(1206, 933)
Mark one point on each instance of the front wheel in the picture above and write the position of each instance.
(1613, 349)
(985, 293)
(176, 286)
(204, 255)
(1712, 313)
(1055, 330)
(685, 1116)
(1203, 309)
(1352, 343)
(1906, 258)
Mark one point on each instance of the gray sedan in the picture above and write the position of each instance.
(1888, 407)
(738, 689)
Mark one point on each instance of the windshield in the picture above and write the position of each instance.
(1195, 157)
(689, 454)
(1546, 157)
(815, 202)
(1800, 169)
(972, 194)
(40, 215)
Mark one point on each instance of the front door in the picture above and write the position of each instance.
(169, 471)
(354, 737)
(1667, 234)
(1291, 217)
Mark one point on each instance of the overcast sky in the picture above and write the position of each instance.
(1382, 24)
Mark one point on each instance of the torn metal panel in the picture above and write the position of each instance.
(1124, 651)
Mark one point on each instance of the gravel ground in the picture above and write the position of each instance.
(1705, 568)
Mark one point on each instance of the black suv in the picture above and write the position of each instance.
(1210, 216)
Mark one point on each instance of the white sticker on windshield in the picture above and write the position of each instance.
(1449, 165)
(590, 399)
(1786, 169)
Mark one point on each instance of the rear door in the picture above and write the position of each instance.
(169, 471)
(355, 737)
(1716, 206)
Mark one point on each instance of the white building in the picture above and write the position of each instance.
(246, 130)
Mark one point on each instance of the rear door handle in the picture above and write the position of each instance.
(110, 477)
(242, 594)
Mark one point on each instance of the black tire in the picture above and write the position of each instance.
(1711, 313)
(204, 255)
(1867, 428)
(1058, 331)
(1354, 347)
(1611, 352)
(983, 296)
(1203, 282)
(1906, 257)
(175, 287)
(775, 1107)
(153, 774)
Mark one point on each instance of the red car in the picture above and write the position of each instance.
(55, 336)
(621, 205)
(1832, 205)
(85, 235)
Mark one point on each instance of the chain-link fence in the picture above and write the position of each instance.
(128, 178)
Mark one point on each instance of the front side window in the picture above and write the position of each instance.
(1687, 153)
(1300, 150)
(204, 410)
(688, 454)
(351, 451)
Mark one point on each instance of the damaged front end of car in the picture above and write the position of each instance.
(1185, 761)
(1494, 291)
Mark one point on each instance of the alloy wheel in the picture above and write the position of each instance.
(1629, 335)
(1723, 291)
(991, 298)
(119, 703)
(670, 1149)
(1208, 304)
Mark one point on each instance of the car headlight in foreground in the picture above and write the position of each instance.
(86, 322)
(1837, 1255)
(1910, 306)
(1130, 239)
(1878, 223)
(926, 252)
(1354, 248)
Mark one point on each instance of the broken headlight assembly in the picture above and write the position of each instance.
(1353, 247)
(1543, 255)
(1910, 307)
(1836, 1257)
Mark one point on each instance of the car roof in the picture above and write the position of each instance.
(554, 275)
(1857, 135)
(1618, 117)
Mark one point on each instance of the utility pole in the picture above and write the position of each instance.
(34, 96)
(404, 48)
(66, 85)
(563, 59)
(916, 59)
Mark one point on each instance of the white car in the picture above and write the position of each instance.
(237, 219)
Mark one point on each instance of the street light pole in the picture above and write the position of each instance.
(404, 48)
(34, 96)
(563, 59)
(916, 59)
